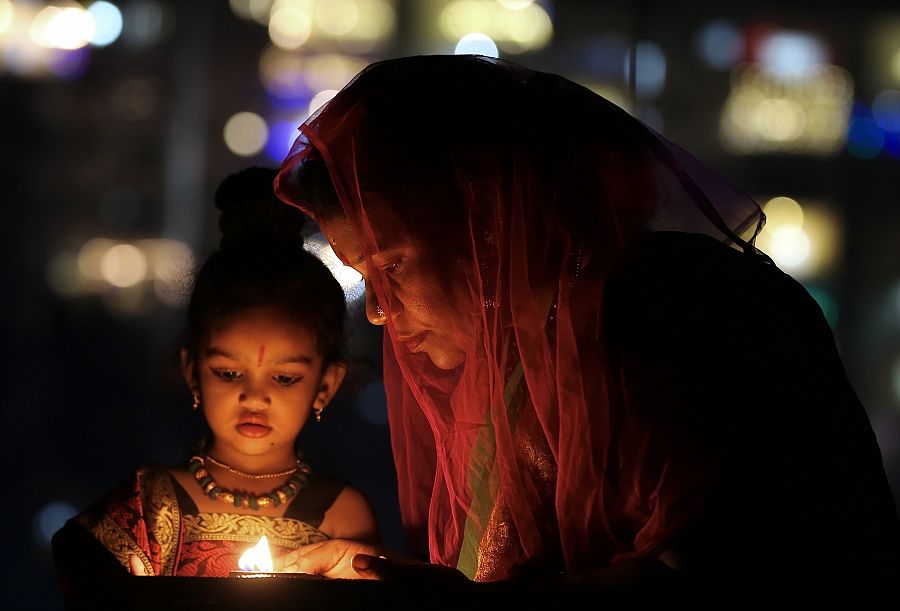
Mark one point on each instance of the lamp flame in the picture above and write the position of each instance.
(257, 558)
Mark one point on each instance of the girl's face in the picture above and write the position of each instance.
(260, 375)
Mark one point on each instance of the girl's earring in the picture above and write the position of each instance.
(196, 405)
(318, 411)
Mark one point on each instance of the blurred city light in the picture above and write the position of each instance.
(320, 99)
(767, 113)
(245, 134)
(805, 240)
(350, 279)
(62, 27)
(650, 70)
(50, 519)
(107, 21)
(290, 27)
(886, 110)
(864, 138)
(791, 55)
(476, 43)
(7, 14)
(123, 265)
(516, 27)
(720, 44)
(144, 22)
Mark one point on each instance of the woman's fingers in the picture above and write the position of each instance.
(287, 562)
(332, 558)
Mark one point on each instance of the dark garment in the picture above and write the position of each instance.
(733, 362)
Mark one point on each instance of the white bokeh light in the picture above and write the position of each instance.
(349, 279)
(107, 22)
(123, 265)
(245, 134)
(476, 43)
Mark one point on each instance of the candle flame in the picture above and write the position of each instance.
(257, 558)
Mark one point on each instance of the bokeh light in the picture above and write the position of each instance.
(123, 265)
(320, 99)
(720, 44)
(290, 26)
(337, 17)
(107, 21)
(886, 110)
(245, 134)
(804, 115)
(783, 211)
(62, 27)
(476, 43)
(864, 138)
(788, 55)
(650, 71)
(50, 519)
(63, 277)
(7, 14)
(350, 279)
(515, 28)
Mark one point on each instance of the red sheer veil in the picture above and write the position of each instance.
(521, 191)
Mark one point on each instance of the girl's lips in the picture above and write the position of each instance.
(253, 429)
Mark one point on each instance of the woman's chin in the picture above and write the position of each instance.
(446, 359)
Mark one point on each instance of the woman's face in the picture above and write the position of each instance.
(419, 304)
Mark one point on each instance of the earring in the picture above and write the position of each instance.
(196, 394)
(318, 411)
(379, 311)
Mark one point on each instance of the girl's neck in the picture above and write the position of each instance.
(271, 462)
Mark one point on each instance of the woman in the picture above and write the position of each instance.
(590, 370)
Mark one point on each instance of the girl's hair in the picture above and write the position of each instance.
(261, 262)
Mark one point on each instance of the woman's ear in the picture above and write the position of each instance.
(332, 379)
(188, 369)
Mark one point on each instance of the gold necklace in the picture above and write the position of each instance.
(231, 469)
(281, 494)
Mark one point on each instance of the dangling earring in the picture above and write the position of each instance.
(196, 394)
(318, 411)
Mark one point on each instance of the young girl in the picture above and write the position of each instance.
(262, 355)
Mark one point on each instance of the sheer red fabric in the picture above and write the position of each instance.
(517, 193)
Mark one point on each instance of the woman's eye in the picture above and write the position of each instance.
(226, 374)
(392, 269)
(286, 380)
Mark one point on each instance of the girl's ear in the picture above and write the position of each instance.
(332, 379)
(188, 369)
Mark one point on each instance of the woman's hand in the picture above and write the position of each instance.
(332, 558)
(346, 559)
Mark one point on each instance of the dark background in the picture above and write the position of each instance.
(126, 143)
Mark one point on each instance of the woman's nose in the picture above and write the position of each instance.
(374, 311)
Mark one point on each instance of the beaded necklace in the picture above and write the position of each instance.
(299, 476)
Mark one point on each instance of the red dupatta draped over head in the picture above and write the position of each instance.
(489, 203)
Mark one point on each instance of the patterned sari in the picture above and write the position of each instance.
(153, 517)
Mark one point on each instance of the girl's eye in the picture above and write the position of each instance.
(286, 380)
(226, 374)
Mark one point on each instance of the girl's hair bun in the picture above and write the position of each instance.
(252, 213)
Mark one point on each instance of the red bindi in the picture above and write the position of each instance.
(262, 353)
